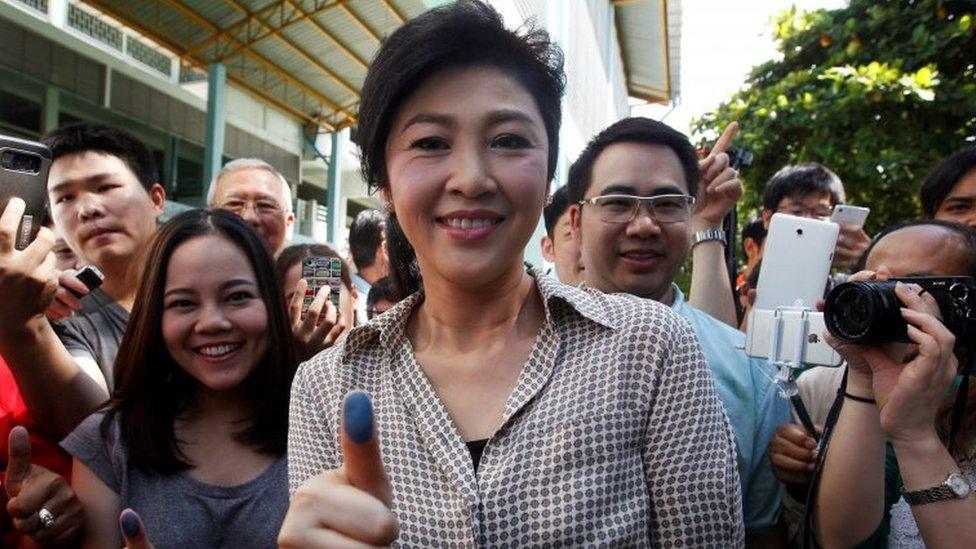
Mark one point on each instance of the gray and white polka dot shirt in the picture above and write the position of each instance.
(613, 436)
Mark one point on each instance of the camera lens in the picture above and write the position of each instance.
(865, 312)
(20, 162)
(959, 292)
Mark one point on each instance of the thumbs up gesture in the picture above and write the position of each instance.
(133, 530)
(349, 506)
(41, 502)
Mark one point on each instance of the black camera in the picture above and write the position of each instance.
(870, 312)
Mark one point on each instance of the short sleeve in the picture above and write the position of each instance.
(689, 453)
(312, 446)
(74, 340)
(105, 456)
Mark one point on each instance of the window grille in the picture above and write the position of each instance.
(39, 5)
(96, 28)
(148, 56)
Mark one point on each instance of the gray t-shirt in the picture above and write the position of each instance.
(178, 510)
(95, 331)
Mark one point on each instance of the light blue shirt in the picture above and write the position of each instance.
(362, 288)
(754, 408)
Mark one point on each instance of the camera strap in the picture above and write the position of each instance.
(809, 540)
(962, 394)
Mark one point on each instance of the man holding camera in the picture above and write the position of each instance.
(631, 194)
(894, 393)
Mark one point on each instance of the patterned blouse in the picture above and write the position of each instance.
(613, 435)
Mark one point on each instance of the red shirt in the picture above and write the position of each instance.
(13, 412)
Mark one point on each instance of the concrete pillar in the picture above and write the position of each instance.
(335, 217)
(213, 154)
(57, 12)
(172, 160)
(107, 96)
(52, 105)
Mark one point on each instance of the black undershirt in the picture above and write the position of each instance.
(477, 447)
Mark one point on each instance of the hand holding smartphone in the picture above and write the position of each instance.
(23, 173)
(850, 216)
(74, 286)
(320, 271)
(852, 241)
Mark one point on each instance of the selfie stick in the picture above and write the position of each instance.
(785, 369)
(738, 159)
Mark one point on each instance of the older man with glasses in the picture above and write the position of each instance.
(254, 190)
(633, 189)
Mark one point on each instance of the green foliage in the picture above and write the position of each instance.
(878, 91)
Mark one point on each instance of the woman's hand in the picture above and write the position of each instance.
(321, 326)
(133, 530)
(910, 381)
(349, 506)
(858, 371)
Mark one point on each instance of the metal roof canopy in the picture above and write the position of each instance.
(649, 34)
(306, 57)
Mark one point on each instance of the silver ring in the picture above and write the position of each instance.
(46, 517)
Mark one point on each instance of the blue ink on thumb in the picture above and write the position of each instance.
(357, 414)
(130, 523)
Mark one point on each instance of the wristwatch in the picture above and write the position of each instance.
(706, 235)
(955, 486)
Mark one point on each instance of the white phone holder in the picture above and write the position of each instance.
(786, 366)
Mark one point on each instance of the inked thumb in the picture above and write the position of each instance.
(133, 530)
(361, 449)
(18, 460)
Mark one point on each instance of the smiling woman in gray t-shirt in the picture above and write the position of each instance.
(193, 438)
(179, 510)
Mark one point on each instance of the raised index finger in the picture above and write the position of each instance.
(723, 142)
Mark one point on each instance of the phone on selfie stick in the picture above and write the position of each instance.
(23, 173)
(784, 326)
(320, 271)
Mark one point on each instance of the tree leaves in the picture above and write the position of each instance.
(879, 91)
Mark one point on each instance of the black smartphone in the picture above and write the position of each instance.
(23, 173)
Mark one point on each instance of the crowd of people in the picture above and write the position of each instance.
(451, 396)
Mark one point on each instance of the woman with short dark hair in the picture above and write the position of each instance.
(510, 409)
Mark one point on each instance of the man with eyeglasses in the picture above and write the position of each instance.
(632, 192)
(254, 190)
(812, 190)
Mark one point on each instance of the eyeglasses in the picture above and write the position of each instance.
(811, 213)
(622, 208)
(260, 207)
